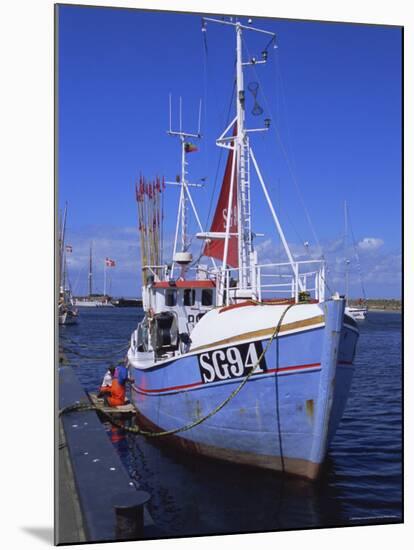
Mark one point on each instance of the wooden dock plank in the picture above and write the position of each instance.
(120, 409)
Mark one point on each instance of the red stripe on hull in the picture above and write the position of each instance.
(195, 384)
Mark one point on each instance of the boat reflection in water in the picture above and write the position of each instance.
(195, 496)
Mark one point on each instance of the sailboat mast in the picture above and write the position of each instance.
(64, 271)
(347, 261)
(90, 271)
(62, 250)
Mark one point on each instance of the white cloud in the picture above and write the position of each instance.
(370, 243)
(368, 259)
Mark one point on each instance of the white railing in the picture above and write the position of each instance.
(297, 281)
(273, 281)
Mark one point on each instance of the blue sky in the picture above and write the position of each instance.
(333, 92)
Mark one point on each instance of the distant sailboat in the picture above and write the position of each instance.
(68, 314)
(358, 312)
(94, 300)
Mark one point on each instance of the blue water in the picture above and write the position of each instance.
(362, 479)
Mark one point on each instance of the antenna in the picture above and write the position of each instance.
(183, 257)
(170, 109)
(199, 119)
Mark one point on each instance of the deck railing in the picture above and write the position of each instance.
(273, 281)
(304, 279)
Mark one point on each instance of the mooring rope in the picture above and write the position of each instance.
(138, 431)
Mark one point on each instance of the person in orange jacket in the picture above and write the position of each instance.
(115, 394)
(106, 385)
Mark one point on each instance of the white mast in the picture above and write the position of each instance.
(180, 251)
(243, 170)
(62, 251)
(243, 153)
(90, 271)
(347, 261)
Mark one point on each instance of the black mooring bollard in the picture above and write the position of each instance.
(129, 514)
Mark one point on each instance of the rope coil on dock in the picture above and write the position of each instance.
(138, 431)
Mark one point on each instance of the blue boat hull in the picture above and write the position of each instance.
(283, 418)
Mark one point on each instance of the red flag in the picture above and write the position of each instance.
(215, 248)
(109, 262)
(190, 148)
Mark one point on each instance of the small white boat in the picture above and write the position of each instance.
(67, 315)
(94, 300)
(357, 312)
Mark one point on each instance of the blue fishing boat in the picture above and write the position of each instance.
(239, 360)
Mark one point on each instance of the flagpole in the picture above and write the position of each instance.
(105, 278)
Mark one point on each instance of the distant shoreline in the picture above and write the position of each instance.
(384, 310)
(378, 304)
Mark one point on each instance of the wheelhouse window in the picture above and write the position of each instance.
(207, 297)
(189, 296)
(170, 297)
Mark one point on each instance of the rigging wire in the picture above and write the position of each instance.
(358, 263)
(291, 166)
(286, 155)
(285, 152)
(220, 157)
(220, 118)
(285, 212)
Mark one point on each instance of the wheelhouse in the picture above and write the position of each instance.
(173, 309)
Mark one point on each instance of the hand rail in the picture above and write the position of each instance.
(311, 282)
(260, 281)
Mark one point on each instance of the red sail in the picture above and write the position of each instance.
(215, 247)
